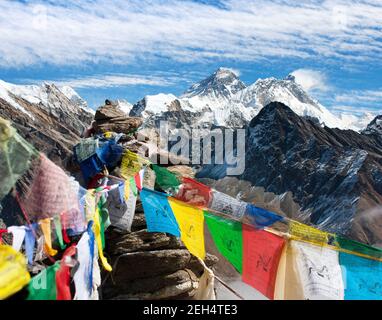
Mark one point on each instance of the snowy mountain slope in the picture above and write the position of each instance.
(51, 118)
(334, 175)
(46, 96)
(223, 100)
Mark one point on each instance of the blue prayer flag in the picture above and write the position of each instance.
(259, 217)
(362, 277)
(158, 213)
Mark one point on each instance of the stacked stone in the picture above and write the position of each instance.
(145, 265)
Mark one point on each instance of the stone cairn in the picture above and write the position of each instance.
(145, 265)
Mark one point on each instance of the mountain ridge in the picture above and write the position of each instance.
(334, 175)
(225, 100)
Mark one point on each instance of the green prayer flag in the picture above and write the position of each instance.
(355, 246)
(165, 179)
(43, 286)
(133, 186)
(104, 218)
(228, 238)
(58, 228)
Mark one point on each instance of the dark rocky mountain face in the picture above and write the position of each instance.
(334, 175)
(52, 125)
(374, 128)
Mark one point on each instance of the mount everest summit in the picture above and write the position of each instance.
(223, 99)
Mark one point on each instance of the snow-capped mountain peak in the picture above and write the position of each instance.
(222, 99)
(374, 127)
(47, 96)
(220, 86)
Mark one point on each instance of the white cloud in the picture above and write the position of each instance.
(115, 80)
(311, 80)
(369, 97)
(119, 32)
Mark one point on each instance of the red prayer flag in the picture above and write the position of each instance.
(63, 276)
(194, 193)
(261, 255)
(138, 183)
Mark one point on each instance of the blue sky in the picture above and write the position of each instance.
(128, 49)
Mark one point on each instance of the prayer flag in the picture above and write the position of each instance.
(259, 217)
(311, 273)
(227, 236)
(166, 180)
(46, 230)
(227, 205)
(158, 212)
(121, 214)
(300, 231)
(43, 285)
(362, 277)
(261, 254)
(194, 193)
(13, 270)
(18, 233)
(191, 224)
(63, 275)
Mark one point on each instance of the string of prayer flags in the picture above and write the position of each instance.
(158, 212)
(261, 253)
(43, 285)
(166, 180)
(227, 205)
(227, 236)
(13, 270)
(191, 224)
(16, 156)
(194, 193)
(310, 272)
(362, 277)
(303, 232)
(259, 217)
(63, 274)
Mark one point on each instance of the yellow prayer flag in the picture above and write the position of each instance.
(90, 204)
(97, 233)
(13, 270)
(127, 189)
(131, 164)
(46, 230)
(191, 224)
(300, 231)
